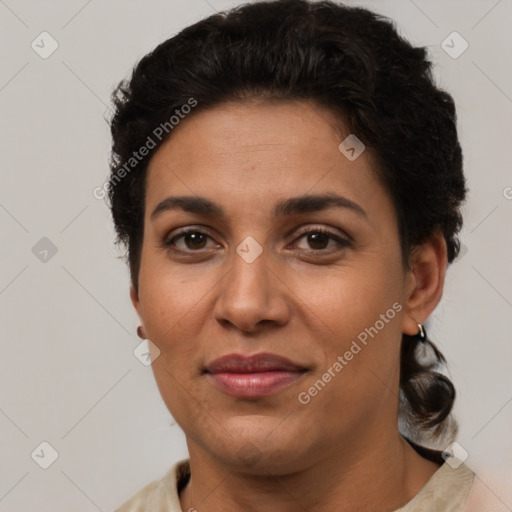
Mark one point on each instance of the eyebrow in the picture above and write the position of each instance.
(292, 206)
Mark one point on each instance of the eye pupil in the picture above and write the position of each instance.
(192, 239)
(318, 240)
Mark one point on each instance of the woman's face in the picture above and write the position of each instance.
(267, 271)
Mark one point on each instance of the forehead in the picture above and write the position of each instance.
(254, 126)
(253, 152)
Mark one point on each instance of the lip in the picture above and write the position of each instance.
(253, 376)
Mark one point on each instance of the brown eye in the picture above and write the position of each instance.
(318, 240)
(323, 241)
(191, 240)
(195, 240)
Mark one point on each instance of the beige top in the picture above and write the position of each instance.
(445, 491)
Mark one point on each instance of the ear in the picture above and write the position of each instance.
(134, 296)
(424, 281)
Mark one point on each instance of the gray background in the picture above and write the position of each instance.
(68, 373)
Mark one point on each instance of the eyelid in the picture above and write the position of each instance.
(308, 228)
(191, 229)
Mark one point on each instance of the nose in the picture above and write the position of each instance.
(251, 296)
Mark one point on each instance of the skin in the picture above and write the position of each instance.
(300, 299)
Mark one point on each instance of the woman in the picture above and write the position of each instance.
(287, 179)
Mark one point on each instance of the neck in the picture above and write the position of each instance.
(378, 475)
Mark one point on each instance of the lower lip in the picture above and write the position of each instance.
(254, 385)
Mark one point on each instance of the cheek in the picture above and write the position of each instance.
(360, 367)
(353, 298)
(172, 311)
(173, 302)
(360, 309)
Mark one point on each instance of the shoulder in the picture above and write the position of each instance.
(456, 488)
(139, 502)
(160, 494)
(446, 490)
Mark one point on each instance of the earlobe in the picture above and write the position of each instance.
(427, 274)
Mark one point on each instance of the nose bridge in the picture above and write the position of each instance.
(250, 293)
(249, 273)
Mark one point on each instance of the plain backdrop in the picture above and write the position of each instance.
(68, 373)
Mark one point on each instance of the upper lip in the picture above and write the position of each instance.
(265, 362)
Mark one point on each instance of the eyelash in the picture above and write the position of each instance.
(342, 242)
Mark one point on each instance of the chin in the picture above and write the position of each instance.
(260, 445)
